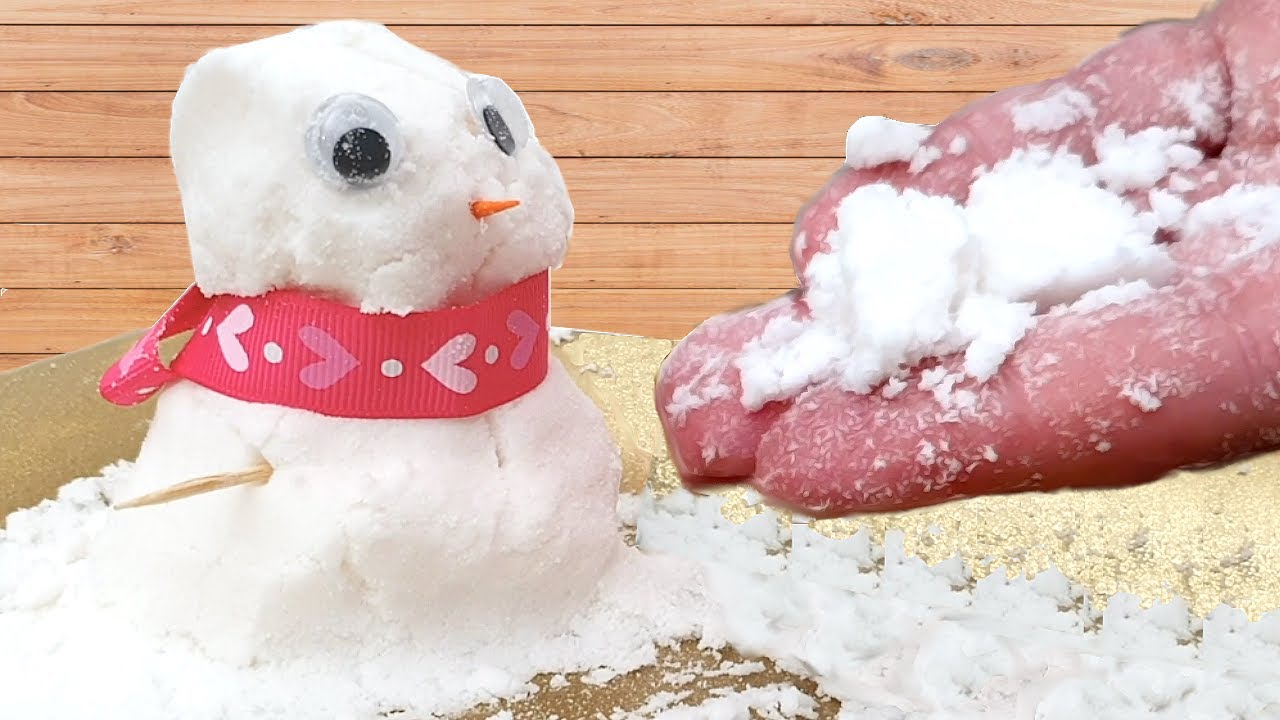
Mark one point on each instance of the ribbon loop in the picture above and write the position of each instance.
(142, 372)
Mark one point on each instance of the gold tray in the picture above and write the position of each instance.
(1210, 536)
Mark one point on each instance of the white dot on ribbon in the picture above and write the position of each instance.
(392, 368)
(273, 353)
(491, 355)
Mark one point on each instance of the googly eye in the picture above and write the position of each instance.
(354, 140)
(500, 109)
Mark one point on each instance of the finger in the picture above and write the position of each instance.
(1117, 396)
(711, 435)
(1246, 30)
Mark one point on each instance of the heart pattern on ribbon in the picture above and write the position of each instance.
(236, 323)
(527, 330)
(446, 364)
(336, 362)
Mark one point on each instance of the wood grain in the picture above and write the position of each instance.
(56, 321)
(606, 12)
(94, 256)
(587, 124)
(612, 190)
(601, 256)
(602, 57)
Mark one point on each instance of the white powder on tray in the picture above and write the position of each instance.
(881, 632)
(910, 276)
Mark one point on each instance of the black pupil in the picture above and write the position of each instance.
(499, 130)
(361, 154)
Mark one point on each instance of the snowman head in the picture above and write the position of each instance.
(341, 159)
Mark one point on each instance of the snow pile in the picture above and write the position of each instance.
(67, 653)
(882, 632)
(890, 637)
(910, 276)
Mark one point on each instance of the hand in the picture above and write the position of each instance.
(1188, 375)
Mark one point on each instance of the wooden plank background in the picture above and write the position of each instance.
(690, 132)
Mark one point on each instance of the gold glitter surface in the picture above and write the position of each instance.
(54, 427)
(1211, 536)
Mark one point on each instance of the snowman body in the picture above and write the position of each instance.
(341, 161)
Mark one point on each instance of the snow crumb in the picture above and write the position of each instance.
(1139, 161)
(923, 158)
(594, 368)
(1111, 295)
(656, 703)
(1063, 108)
(773, 702)
(1169, 209)
(704, 388)
(959, 144)
(995, 327)
(1251, 211)
(1180, 183)
(599, 676)
(1143, 394)
(893, 388)
(1196, 97)
(873, 141)
(560, 336)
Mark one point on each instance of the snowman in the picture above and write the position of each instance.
(371, 230)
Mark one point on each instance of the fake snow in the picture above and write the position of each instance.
(911, 276)
(891, 637)
(881, 632)
(1252, 212)
(875, 140)
(560, 336)
(1139, 161)
(1066, 106)
(772, 702)
(1199, 98)
(1110, 295)
(703, 389)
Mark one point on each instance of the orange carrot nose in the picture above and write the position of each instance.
(484, 208)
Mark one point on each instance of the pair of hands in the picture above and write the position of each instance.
(1188, 375)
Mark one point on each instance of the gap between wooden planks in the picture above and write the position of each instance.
(607, 58)
(557, 12)
(577, 124)
(603, 190)
(651, 256)
(56, 321)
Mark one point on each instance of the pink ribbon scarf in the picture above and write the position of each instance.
(293, 349)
